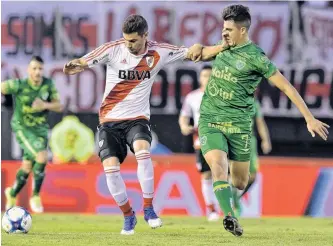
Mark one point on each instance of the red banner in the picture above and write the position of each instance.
(283, 187)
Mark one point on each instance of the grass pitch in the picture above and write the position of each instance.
(72, 230)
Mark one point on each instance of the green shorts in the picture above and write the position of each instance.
(31, 142)
(254, 164)
(232, 136)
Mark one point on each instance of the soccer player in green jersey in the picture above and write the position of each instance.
(227, 107)
(266, 147)
(33, 98)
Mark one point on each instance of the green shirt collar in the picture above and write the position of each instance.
(242, 45)
(35, 87)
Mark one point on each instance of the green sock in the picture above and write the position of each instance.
(224, 197)
(21, 179)
(39, 175)
(236, 200)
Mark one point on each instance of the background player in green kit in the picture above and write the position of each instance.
(33, 98)
(227, 108)
(266, 147)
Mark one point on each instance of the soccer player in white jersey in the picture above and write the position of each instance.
(191, 109)
(132, 65)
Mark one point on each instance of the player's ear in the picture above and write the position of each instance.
(243, 30)
(145, 35)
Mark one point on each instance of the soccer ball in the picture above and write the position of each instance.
(16, 220)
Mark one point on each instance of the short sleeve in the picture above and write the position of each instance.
(264, 66)
(12, 86)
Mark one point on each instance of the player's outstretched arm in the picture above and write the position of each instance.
(10, 87)
(314, 125)
(101, 55)
(75, 66)
(198, 52)
(194, 52)
(208, 53)
(266, 145)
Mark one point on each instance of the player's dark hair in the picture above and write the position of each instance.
(240, 14)
(135, 23)
(206, 67)
(38, 59)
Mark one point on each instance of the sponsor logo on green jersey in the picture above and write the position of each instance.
(224, 74)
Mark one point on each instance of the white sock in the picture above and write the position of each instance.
(116, 184)
(145, 173)
(207, 191)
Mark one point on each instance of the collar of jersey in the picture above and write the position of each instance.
(241, 46)
(143, 54)
(35, 87)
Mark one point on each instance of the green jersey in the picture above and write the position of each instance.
(24, 94)
(235, 76)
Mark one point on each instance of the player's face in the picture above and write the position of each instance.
(232, 33)
(135, 43)
(35, 71)
(204, 77)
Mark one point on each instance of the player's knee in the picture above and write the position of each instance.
(26, 166)
(216, 158)
(111, 162)
(219, 171)
(239, 183)
(140, 145)
(217, 163)
(252, 177)
(206, 175)
(41, 157)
